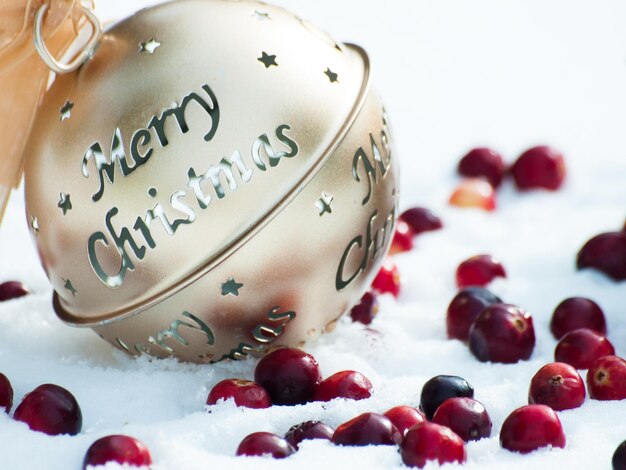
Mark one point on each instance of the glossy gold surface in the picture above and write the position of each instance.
(216, 181)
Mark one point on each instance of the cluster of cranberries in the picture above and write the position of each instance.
(484, 169)
(53, 410)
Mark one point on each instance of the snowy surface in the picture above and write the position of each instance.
(454, 74)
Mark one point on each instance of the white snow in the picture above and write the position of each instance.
(454, 74)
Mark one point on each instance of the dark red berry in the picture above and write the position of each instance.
(365, 311)
(575, 313)
(619, 457)
(483, 163)
(479, 270)
(120, 449)
(539, 167)
(308, 430)
(12, 290)
(421, 220)
(367, 429)
(245, 393)
(530, 427)
(465, 308)
(606, 378)
(476, 193)
(6, 393)
(606, 253)
(289, 375)
(402, 238)
(502, 333)
(405, 417)
(430, 441)
(441, 387)
(467, 417)
(387, 281)
(579, 348)
(557, 385)
(50, 409)
(345, 384)
(265, 443)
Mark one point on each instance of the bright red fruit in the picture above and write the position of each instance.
(579, 348)
(441, 387)
(465, 308)
(606, 378)
(606, 253)
(539, 167)
(365, 311)
(404, 417)
(421, 220)
(308, 430)
(289, 375)
(245, 393)
(6, 393)
(557, 385)
(479, 270)
(502, 333)
(467, 417)
(475, 193)
(530, 427)
(402, 238)
(387, 281)
(575, 313)
(265, 443)
(12, 290)
(50, 409)
(345, 384)
(117, 448)
(484, 163)
(430, 441)
(367, 429)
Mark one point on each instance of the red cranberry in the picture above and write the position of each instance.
(430, 441)
(474, 193)
(367, 429)
(479, 270)
(465, 308)
(575, 313)
(265, 443)
(606, 253)
(483, 163)
(50, 409)
(404, 417)
(308, 430)
(467, 417)
(606, 378)
(530, 427)
(387, 281)
(421, 220)
(402, 238)
(579, 348)
(539, 167)
(120, 449)
(365, 311)
(557, 385)
(619, 457)
(441, 387)
(6, 393)
(502, 333)
(245, 393)
(345, 384)
(289, 375)
(12, 290)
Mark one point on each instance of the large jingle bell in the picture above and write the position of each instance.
(215, 182)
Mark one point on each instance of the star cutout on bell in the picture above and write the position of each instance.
(65, 204)
(231, 287)
(68, 285)
(267, 60)
(332, 76)
(34, 223)
(323, 204)
(261, 15)
(149, 46)
(66, 110)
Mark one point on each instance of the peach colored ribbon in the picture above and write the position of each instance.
(24, 76)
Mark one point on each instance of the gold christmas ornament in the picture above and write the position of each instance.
(217, 180)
